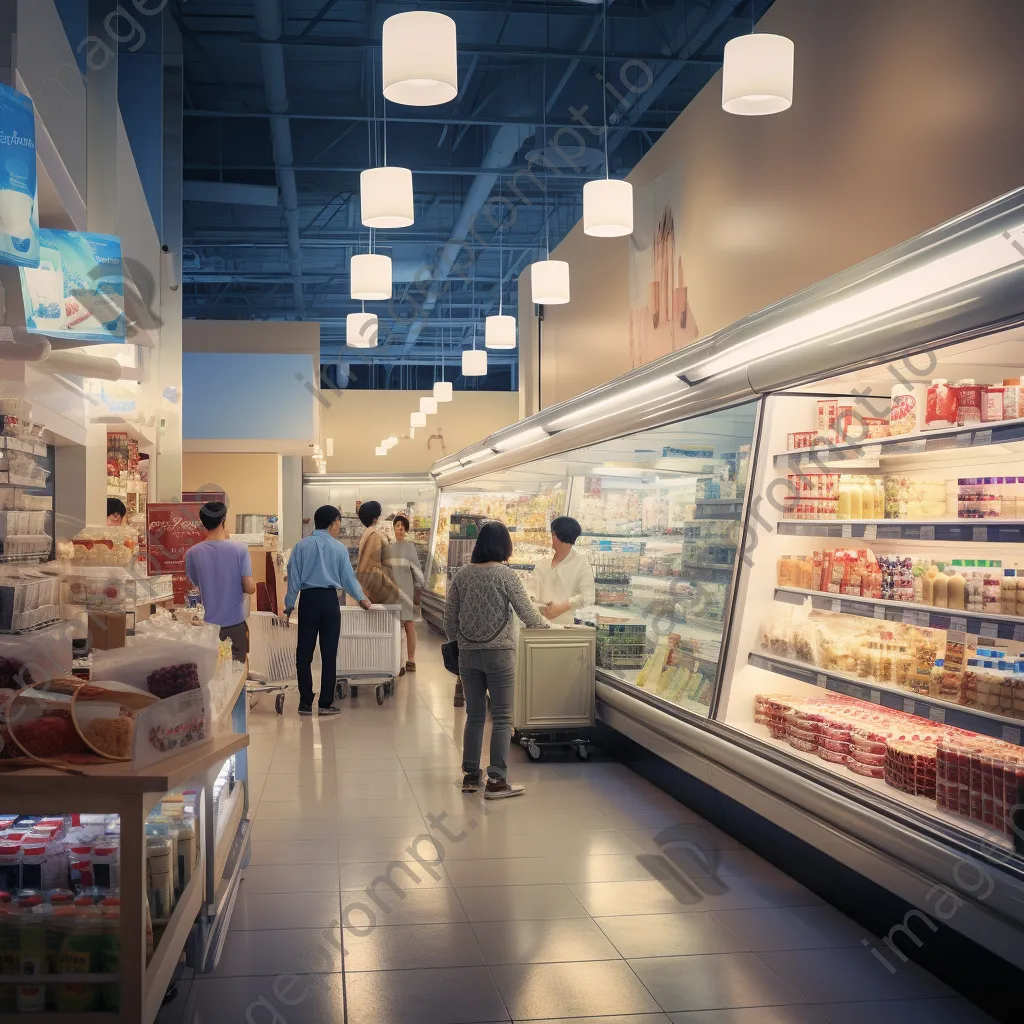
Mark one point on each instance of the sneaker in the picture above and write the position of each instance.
(306, 710)
(410, 666)
(499, 789)
(329, 710)
(471, 782)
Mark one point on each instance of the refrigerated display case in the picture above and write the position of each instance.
(808, 545)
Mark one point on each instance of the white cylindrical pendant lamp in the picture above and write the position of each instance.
(419, 59)
(385, 197)
(474, 362)
(757, 74)
(443, 391)
(607, 208)
(380, 450)
(361, 330)
(417, 419)
(428, 406)
(500, 332)
(549, 282)
(370, 276)
(390, 442)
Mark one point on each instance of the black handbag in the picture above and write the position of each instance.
(450, 655)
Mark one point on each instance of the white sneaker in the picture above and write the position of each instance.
(499, 789)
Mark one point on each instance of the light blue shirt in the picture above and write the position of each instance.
(320, 560)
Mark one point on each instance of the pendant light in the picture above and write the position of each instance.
(757, 74)
(500, 330)
(420, 59)
(443, 391)
(428, 406)
(474, 362)
(417, 419)
(390, 442)
(370, 276)
(607, 202)
(380, 450)
(361, 330)
(549, 279)
(385, 193)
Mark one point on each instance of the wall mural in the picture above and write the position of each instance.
(661, 319)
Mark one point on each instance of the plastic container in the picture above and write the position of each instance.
(81, 935)
(968, 402)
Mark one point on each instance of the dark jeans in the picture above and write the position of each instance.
(239, 637)
(487, 672)
(319, 617)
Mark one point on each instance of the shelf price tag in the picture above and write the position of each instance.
(909, 708)
(983, 437)
(1018, 633)
(963, 440)
(1011, 734)
(957, 625)
(821, 679)
(876, 697)
(937, 714)
(870, 532)
(879, 611)
(979, 533)
(910, 618)
(989, 630)
(871, 451)
(837, 605)
(847, 530)
(927, 533)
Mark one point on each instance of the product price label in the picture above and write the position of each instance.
(822, 679)
(1011, 734)
(937, 714)
(847, 530)
(870, 532)
(983, 437)
(876, 697)
(909, 708)
(963, 440)
(910, 618)
(919, 444)
(879, 611)
(989, 630)
(872, 451)
(979, 533)
(837, 605)
(1018, 633)
(958, 625)
(927, 533)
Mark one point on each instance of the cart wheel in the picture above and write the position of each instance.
(341, 689)
(380, 694)
(583, 751)
(279, 703)
(389, 688)
(354, 689)
(533, 751)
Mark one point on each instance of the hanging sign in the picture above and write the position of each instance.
(77, 292)
(19, 218)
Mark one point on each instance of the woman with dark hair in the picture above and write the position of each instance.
(403, 562)
(478, 613)
(373, 577)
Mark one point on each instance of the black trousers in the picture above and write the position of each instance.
(319, 617)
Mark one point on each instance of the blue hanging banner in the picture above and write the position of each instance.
(19, 219)
(78, 290)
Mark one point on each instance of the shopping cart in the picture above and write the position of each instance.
(271, 659)
(370, 647)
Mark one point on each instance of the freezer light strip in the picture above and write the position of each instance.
(591, 411)
(521, 438)
(940, 275)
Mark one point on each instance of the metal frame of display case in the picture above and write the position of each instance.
(903, 851)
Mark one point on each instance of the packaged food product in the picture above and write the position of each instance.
(1013, 407)
(907, 409)
(940, 405)
(991, 404)
(968, 402)
(828, 414)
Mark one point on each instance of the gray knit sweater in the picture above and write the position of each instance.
(479, 605)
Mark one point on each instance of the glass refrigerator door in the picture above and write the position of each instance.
(880, 645)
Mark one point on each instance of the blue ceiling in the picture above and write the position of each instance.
(272, 202)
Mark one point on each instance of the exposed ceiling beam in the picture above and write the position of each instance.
(454, 172)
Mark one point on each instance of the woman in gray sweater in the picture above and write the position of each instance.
(478, 613)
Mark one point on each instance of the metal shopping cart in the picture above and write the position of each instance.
(370, 647)
(271, 659)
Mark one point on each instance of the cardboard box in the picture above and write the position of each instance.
(107, 630)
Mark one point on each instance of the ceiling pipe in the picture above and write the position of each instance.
(79, 364)
(503, 149)
(270, 29)
(22, 347)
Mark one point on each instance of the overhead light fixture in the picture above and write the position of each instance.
(757, 74)
(361, 330)
(412, 433)
(588, 412)
(521, 438)
(443, 391)
(549, 282)
(385, 197)
(380, 450)
(607, 202)
(608, 208)
(420, 59)
(370, 276)
(329, 447)
(390, 442)
(929, 279)
(428, 406)
(417, 419)
(474, 362)
(500, 332)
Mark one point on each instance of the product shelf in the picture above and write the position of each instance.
(895, 699)
(963, 531)
(1001, 432)
(725, 509)
(991, 626)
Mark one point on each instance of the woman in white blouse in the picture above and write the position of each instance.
(403, 562)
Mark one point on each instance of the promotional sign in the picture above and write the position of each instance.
(19, 218)
(77, 292)
(171, 529)
(167, 727)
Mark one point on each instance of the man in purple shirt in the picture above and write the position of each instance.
(222, 571)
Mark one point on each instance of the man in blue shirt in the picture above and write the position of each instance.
(318, 568)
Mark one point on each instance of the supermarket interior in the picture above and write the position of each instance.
(751, 410)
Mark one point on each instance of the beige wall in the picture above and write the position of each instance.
(904, 116)
(251, 481)
(357, 421)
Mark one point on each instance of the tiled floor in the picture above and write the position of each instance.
(379, 894)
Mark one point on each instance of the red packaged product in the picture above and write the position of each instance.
(940, 406)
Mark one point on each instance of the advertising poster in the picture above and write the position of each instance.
(171, 529)
(19, 218)
(77, 291)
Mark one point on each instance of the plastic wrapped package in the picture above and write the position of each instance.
(166, 662)
(45, 654)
